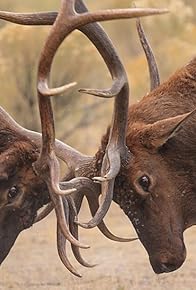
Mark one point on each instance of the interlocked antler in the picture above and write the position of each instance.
(116, 152)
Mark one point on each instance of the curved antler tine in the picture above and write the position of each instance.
(106, 232)
(116, 148)
(107, 194)
(60, 214)
(94, 205)
(64, 19)
(61, 242)
(80, 184)
(61, 246)
(44, 89)
(46, 211)
(93, 201)
(152, 65)
(74, 230)
(105, 93)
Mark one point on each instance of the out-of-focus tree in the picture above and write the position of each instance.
(76, 60)
(172, 38)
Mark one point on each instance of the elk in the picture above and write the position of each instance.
(145, 163)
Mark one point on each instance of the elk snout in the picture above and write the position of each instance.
(168, 261)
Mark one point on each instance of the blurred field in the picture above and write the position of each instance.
(34, 263)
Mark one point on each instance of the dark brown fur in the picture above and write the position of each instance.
(19, 212)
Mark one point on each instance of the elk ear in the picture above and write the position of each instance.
(157, 134)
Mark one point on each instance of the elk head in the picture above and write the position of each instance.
(19, 188)
(157, 191)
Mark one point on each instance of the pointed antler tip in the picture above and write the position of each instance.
(98, 93)
(47, 92)
(99, 179)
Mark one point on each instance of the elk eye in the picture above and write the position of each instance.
(12, 192)
(144, 182)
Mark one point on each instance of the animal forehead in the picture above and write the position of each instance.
(16, 156)
(21, 176)
(16, 169)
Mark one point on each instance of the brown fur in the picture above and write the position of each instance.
(168, 157)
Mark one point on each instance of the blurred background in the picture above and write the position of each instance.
(81, 120)
(82, 117)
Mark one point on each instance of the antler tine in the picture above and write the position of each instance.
(61, 242)
(105, 231)
(74, 230)
(94, 205)
(152, 65)
(93, 201)
(61, 246)
(60, 214)
(74, 203)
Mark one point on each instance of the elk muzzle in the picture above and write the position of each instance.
(169, 259)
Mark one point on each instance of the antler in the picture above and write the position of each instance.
(152, 65)
(116, 152)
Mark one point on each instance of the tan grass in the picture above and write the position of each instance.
(34, 264)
